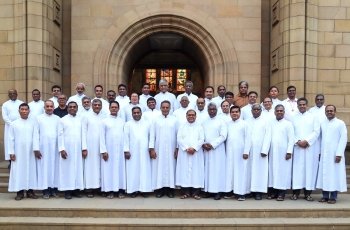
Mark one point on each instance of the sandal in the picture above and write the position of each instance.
(121, 195)
(322, 200)
(309, 198)
(294, 197)
(280, 198)
(196, 197)
(110, 195)
(90, 195)
(32, 195)
(46, 196)
(331, 201)
(184, 196)
(19, 197)
(270, 197)
(55, 195)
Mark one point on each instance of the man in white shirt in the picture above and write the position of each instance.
(145, 94)
(80, 89)
(164, 95)
(134, 102)
(152, 112)
(188, 93)
(180, 113)
(201, 113)
(98, 95)
(269, 111)
(10, 114)
(290, 104)
(86, 102)
(247, 110)
(221, 95)
(208, 94)
(36, 106)
(122, 98)
(319, 108)
(111, 96)
(56, 91)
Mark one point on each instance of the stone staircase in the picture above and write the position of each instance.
(152, 213)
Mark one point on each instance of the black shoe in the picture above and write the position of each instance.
(133, 195)
(77, 194)
(68, 195)
(206, 195)
(258, 197)
(249, 195)
(144, 194)
(160, 194)
(217, 196)
(170, 194)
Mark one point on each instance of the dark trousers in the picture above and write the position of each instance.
(276, 192)
(306, 192)
(190, 191)
(50, 191)
(330, 195)
(20, 192)
(70, 192)
(166, 190)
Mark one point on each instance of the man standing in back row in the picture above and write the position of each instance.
(164, 95)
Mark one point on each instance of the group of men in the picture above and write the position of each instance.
(222, 145)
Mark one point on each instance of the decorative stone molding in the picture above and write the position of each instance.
(56, 60)
(274, 61)
(275, 13)
(57, 13)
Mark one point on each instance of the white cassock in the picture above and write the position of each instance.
(201, 116)
(163, 137)
(77, 98)
(127, 111)
(55, 101)
(305, 160)
(291, 108)
(191, 97)
(319, 112)
(45, 140)
(259, 143)
(332, 176)
(190, 168)
(225, 117)
(215, 131)
(138, 167)
(246, 112)
(123, 101)
(208, 101)
(105, 106)
(84, 112)
(282, 142)
(20, 142)
(69, 139)
(180, 115)
(218, 100)
(237, 168)
(275, 102)
(166, 97)
(143, 100)
(91, 130)
(270, 115)
(150, 115)
(112, 142)
(9, 114)
(36, 109)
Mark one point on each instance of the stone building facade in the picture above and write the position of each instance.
(305, 43)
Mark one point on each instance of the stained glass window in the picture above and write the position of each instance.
(151, 78)
(167, 74)
(181, 77)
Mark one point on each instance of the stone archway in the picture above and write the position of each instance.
(122, 46)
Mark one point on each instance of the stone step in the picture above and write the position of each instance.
(4, 177)
(172, 223)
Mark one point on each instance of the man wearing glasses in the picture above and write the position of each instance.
(268, 111)
(61, 110)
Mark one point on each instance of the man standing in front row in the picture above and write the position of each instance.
(138, 162)
(163, 150)
(20, 148)
(190, 159)
(45, 147)
(281, 134)
(215, 130)
(331, 173)
(305, 158)
(70, 165)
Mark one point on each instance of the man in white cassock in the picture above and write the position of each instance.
(281, 134)
(136, 152)
(215, 131)
(91, 129)
(247, 109)
(70, 164)
(201, 113)
(259, 148)
(112, 149)
(151, 113)
(56, 91)
(225, 108)
(163, 151)
(180, 113)
(80, 89)
(305, 158)
(190, 159)
(269, 111)
(10, 114)
(23, 174)
(331, 176)
(164, 95)
(99, 95)
(45, 146)
(146, 87)
(208, 96)
(134, 102)
(290, 104)
(319, 109)
(36, 106)
(237, 156)
(190, 96)
(122, 98)
(111, 96)
(86, 102)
